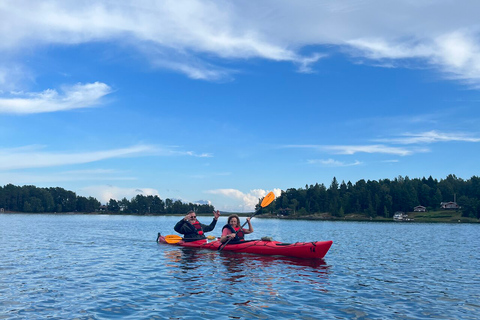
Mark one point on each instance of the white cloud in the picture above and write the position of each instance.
(73, 97)
(352, 149)
(459, 53)
(390, 161)
(11, 75)
(406, 139)
(170, 28)
(104, 193)
(375, 148)
(431, 137)
(244, 201)
(48, 178)
(442, 33)
(455, 53)
(333, 163)
(33, 157)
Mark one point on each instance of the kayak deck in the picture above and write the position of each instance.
(304, 250)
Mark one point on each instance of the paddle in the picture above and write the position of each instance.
(265, 202)
(173, 238)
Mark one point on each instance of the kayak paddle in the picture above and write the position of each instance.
(265, 202)
(173, 238)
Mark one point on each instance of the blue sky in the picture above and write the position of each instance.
(224, 101)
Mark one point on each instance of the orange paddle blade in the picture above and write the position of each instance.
(268, 199)
(172, 238)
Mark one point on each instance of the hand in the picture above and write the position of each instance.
(248, 219)
(216, 214)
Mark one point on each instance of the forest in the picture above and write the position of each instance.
(371, 198)
(48, 200)
(381, 198)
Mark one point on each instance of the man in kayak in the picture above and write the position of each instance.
(232, 230)
(193, 230)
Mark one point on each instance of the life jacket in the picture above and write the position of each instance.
(198, 227)
(240, 234)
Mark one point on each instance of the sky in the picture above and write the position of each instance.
(221, 102)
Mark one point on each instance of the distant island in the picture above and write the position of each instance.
(421, 200)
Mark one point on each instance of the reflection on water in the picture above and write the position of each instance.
(102, 267)
(252, 285)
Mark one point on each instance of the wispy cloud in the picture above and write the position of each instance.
(189, 29)
(36, 157)
(421, 138)
(39, 178)
(441, 34)
(375, 148)
(194, 154)
(333, 163)
(456, 53)
(431, 137)
(390, 161)
(352, 149)
(12, 74)
(73, 97)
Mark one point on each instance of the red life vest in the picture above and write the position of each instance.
(240, 234)
(198, 227)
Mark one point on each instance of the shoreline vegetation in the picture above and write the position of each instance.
(402, 199)
(441, 216)
(434, 216)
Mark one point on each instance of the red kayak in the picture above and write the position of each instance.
(304, 250)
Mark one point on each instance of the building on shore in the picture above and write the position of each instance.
(419, 209)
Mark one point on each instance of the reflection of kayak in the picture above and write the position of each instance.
(305, 250)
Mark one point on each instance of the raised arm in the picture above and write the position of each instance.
(250, 227)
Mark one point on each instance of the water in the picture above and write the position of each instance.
(109, 267)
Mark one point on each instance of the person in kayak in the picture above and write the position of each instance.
(232, 230)
(192, 229)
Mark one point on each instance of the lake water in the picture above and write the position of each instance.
(110, 267)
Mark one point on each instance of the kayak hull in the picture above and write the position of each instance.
(304, 250)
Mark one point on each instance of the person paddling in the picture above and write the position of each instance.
(232, 230)
(192, 229)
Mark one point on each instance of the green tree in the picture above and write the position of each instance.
(113, 206)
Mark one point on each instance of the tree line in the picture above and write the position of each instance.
(372, 198)
(380, 198)
(49, 200)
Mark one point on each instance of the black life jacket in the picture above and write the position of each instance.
(240, 234)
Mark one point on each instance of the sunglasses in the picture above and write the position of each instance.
(193, 217)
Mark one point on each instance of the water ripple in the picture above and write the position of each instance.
(101, 267)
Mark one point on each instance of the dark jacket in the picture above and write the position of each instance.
(190, 233)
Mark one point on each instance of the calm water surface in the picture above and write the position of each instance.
(109, 267)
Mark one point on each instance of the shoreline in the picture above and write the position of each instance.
(417, 217)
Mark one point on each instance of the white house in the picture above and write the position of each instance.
(400, 216)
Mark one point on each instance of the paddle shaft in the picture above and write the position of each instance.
(265, 202)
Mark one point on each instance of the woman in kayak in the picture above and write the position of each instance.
(232, 230)
(193, 230)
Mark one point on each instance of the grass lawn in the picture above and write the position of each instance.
(440, 216)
